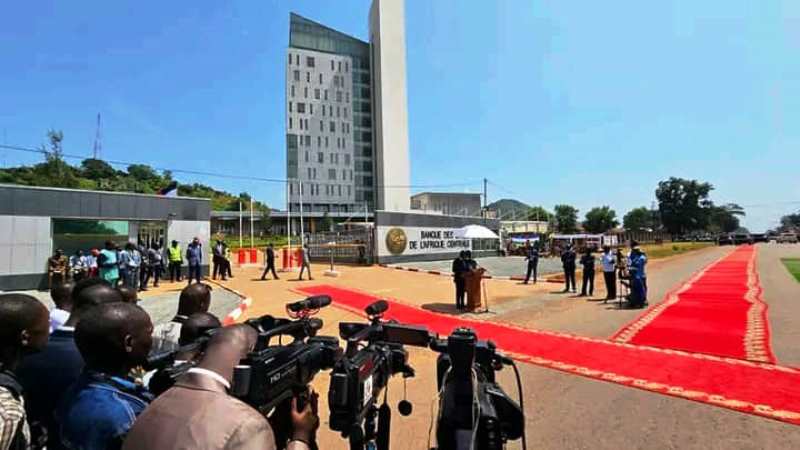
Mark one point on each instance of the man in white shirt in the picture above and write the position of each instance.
(609, 261)
(62, 298)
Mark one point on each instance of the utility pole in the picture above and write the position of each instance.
(98, 143)
(240, 224)
(302, 231)
(485, 199)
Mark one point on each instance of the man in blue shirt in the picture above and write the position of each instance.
(568, 262)
(46, 376)
(636, 268)
(99, 409)
(194, 257)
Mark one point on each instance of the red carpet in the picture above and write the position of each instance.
(719, 311)
(757, 388)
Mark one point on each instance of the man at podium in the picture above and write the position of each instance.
(473, 278)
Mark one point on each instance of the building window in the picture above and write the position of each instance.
(309, 61)
(305, 92)
(345, 112)
(306, 121)
(290, 59)
(311, 108)
(308, 141)
(330, 157)
(330, 110)
(340, 190)
(320, 78)
(319, 138)
(331, 174)
(309, 173)
(296, 75)
(337, 159)
(290, 106)
(366, 166)
(320, 157)
(301, 123)
(292, 91)
(340, 66)
(301, 107)
(321, 123)
(316, 94)
(324, 110)
(346, 66)
(347, 94)
(351, 175)
(338, 112)
(326, 95)
(332, 67)
(291, 188)
(290, 123)
(346, 159)
(349, 193)
(339, 96)
(326, 141)
(297, 59)
(367, 181)
(332, 127)
(307, 157)
(308, 77)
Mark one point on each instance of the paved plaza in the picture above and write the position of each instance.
(495, 265)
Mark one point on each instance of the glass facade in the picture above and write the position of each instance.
(72, 235)
(309, 35)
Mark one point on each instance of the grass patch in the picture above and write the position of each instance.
(667, 249)
(793, 266)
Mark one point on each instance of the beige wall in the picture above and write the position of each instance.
(390, 105)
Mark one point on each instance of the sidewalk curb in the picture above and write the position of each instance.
(448, 275)
(232, 316)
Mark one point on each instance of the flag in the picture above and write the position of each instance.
(170, 191)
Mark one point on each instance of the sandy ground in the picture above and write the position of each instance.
(563, 411)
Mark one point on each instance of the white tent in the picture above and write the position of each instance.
(475, 232)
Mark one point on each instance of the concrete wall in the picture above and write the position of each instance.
(390, 104)
(413, 225)
(26, 215)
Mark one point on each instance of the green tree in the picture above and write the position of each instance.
(638, 219)
(539, 213)
(600, 219)
(566, 218)
(684, 204)
(790, 222)
(97, 169)
(725, 218)
(55, 171)
(143, 172)
(327, 222)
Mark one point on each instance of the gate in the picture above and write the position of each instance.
(347, 246)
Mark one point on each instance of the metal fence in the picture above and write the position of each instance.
(347, 246)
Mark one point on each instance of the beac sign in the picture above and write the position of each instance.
(404, 240)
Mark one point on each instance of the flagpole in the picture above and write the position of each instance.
(251, 223)
(288, 218)
(302, 231)
(240, 224)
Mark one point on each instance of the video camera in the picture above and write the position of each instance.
(474, 411)
(359, 377)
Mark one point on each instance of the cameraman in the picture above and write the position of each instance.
(199, 414)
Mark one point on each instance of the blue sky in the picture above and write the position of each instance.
(586, 103)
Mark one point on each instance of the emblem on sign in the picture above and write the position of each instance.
(396, 241)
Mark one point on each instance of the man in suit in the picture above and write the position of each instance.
(568, 262)
(532, 256)
(218, 253)
(460, 268)
(270, 253)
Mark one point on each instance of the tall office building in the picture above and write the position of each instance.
(346, 115)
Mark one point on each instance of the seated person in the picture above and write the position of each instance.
(57, 268)
(197, 413)
(99, 409)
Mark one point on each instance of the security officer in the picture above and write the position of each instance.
(568, 262)
(460, 268)
(532, 256)
(175, 257)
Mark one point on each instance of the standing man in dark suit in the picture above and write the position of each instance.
(270, 263)
(587, 261)
(218, 258)
(568, 262)
(459, 269)
(532, 256)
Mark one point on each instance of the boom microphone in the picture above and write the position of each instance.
(315, 302)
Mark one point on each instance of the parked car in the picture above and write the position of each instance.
(787, 238)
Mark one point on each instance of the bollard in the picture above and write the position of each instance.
(241, 256)
(253, 256)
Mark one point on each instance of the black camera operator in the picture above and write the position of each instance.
(197, 413)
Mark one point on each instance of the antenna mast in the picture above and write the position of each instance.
(98, 143)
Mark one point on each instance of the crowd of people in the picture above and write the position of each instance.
(72, 378)
(628, 270)
(130, 265)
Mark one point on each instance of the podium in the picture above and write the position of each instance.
(473, 279)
